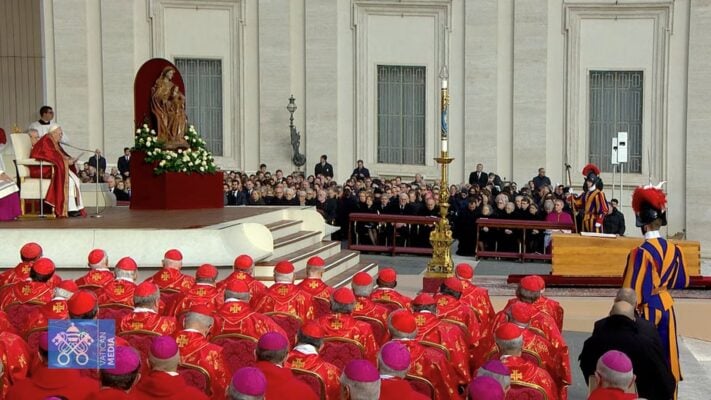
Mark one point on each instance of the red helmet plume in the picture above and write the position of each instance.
(650, 197)
(591, 168)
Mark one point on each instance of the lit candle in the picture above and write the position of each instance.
(444, 83)
(444, 145)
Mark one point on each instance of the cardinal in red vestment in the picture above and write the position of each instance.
(243, 271)
(272, 350)
(203, 292)
(29, 253)
(197, 350)
(341, 324)
(450, 308)
(63, 193)
(283, 296)
(56, 308)
(362, 285)
(426, 362)
(163, 381)
(15, 358)
(387, 282)
(100, 273)
(393, 364)
(38, 290)
(433, 330)
(237, 316)
(305, 356)
(121, 289)
(509, 339)
(313, 284)
(531, 290)
(169, 277)
(475, 297)
(145, 315)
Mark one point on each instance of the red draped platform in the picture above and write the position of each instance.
(172, 190)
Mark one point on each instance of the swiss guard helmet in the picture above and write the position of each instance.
(591, 173)
(649, 204)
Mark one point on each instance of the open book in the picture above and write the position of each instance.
(7, 188)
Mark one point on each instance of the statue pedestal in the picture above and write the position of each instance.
(172, 190)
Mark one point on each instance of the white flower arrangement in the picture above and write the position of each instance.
(196, 158)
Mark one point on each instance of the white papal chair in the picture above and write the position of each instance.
(30, 188)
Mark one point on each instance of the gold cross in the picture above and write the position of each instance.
(241, 276)
(313, 284)
(235, 308)
(298, 363)
(136, 325)
(26, 290)
(358, 306)
(420, 320)
(58, 307)
(22, 361)
(442, 301)
(118, 290)
(337, 324)
(201, 292)
(516, 375)
(25, 269)
(165, 276)
(386, 296)
(283, 290)
(96, 277)
(181, 341)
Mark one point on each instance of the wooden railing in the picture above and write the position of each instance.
(383, 222)
(521, 226)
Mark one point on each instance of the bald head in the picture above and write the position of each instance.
(627, 295)
(623, 308)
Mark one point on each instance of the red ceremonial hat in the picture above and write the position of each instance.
(315, 261)
(96, 256)
(202, 309)
(237, 286)
(127, 360)
(423, 299)
(486, 388)
(284, 267)
(508, 331)
(174, 255)
(206, 271)
(387, 275)
(43, 266)
(532, 283)
(81, 302)
(403, 321)
(272, 341)
(361, 371)
(362, 279)
(454, 284)
(164, 347)
(344, 296)
(30, 251)
(591, 168)
(395, 355)
(464, 271)
(243, 262)
(249, 381)
(522, 312)
(68, 285)
(127, 264)
(313, 329)
(145, 289)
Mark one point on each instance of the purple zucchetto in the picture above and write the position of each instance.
(485, 388)
(395, 356)
(361, 371)
(249, 381)
(272, 341)
(617, 361)
(164, 347)
(496, 367)
(127, 361)
(44, 341)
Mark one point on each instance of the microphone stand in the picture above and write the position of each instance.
(96, 190)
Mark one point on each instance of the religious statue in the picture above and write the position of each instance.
(298, 159)
(168, 106)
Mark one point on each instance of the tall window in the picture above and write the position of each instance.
(401, 114)
(203, 86)
(616, 106)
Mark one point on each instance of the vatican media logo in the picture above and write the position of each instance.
(82, 344)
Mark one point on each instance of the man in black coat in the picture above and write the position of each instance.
(644, 327)
(123, 163)
(614, 220)
(619, 332)
(237, 196)
(323, 167)
(479, 177)
(361, 172)
(98, 159)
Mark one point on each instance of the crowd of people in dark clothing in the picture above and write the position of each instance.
(485, 195)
